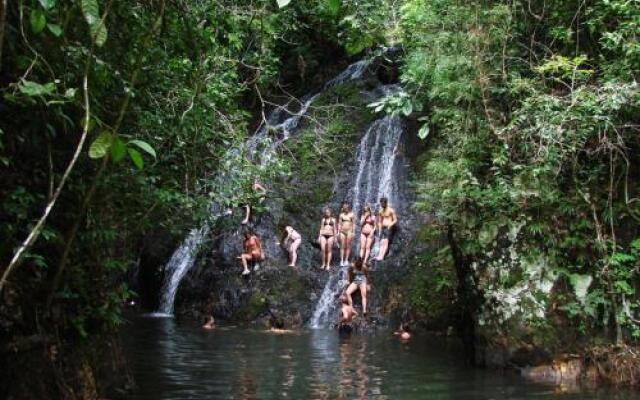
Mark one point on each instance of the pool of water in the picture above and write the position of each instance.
(179, 360)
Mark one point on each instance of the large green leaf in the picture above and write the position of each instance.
(38, 20)
(118, 150)
(92, 16)
(144, 146)
(424, 131)
(47, 4)
(136, 157)
(55, 29)
(101, 145)
(283, 3)
(35, 89)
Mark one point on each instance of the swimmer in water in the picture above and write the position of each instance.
(403, 333)
(209, 323)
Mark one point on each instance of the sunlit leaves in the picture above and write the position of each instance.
(118, 150)
(30, 88)
(97, 28)
(107, 143)
(144, 146)
(136, 157)
(55, 29)
(47, 4)
(101, 145)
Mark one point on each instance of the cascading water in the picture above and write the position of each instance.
(180, 263)
(376, 166)
(280, 124)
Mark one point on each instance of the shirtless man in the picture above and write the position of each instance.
(387, 218)
(252, 252)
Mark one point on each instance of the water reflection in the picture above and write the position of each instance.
(174, 360)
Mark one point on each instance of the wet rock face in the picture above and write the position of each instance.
(156, 250)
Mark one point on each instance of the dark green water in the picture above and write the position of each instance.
(179, 360)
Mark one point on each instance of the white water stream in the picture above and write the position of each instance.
(376, 165)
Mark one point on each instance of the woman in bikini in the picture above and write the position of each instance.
(358, 277)
(328, 232)
(291, 243)
(346, 229)
(367, 230)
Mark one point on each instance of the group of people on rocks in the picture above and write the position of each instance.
(344, 230)
(341, 231)
(332, 231)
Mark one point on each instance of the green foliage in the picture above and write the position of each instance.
(541, 133)
(173, 102)
(96, 25)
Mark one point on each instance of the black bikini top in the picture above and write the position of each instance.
(326, 221)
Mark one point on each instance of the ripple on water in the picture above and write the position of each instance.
(179, 360)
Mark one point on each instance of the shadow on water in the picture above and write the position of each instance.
(179, 360)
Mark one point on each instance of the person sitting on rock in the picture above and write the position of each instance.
(358, 277)
(291, 243)
(259, 192)
(252, 252)
(209, 323)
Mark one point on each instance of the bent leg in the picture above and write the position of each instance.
(350, 289)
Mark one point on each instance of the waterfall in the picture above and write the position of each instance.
(281, 123)
(376, 167)
(180, 263)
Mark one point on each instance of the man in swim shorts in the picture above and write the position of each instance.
(387, 218)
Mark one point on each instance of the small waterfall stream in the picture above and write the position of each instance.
(376, 168)
(281, 124)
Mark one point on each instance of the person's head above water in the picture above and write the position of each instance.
(358, 264)
(327, 212)
(248, 233)
(367, 209)
(288, 229)
(346, 208)
(383, 202)
(344, 299)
